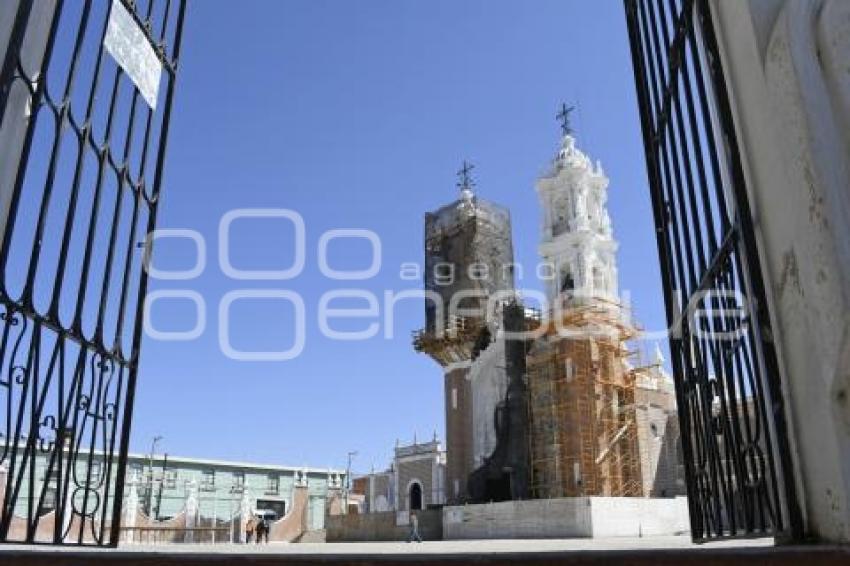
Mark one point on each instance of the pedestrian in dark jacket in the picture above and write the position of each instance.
(263, 528)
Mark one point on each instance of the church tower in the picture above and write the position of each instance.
(468, 262)
(581, 389)
(577, 240)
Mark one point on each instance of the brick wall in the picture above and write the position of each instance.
(459, 442)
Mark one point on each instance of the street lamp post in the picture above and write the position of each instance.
(351, 455)
(149, 494)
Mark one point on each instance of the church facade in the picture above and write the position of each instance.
(567, 409)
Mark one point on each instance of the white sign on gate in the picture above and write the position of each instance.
(129, 46)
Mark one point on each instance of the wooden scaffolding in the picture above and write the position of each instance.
(582, 406)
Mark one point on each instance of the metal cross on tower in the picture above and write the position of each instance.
(465, 183)
(564, 117)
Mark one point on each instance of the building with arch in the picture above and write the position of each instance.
(415, 480)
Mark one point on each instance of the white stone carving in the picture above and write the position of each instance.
(192, 508)
(131, 505)
(577, 234)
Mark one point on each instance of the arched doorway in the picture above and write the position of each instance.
(415, 496)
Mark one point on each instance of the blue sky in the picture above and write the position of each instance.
(357, 115)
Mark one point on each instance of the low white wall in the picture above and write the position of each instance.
(571, 517)
(635, 517)
(538, 518)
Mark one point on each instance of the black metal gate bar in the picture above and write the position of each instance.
(68, 361)
(738, 467)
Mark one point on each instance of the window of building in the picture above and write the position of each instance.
(598, 280)
(479, 271)
(560, 225)
(208, 480)
(238, 485)
(95, 471)
(170, 479)
(273, 484)
(444, 273)
(567, 282)
(454, 397)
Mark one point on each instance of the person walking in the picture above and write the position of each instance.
(260, 528)
(263, 528)
(414, 529)
(249, 529)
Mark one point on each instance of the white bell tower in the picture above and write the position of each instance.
(577, 240)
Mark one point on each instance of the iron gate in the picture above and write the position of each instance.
(81, 198)
(734, 441)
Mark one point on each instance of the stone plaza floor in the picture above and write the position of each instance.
(453, 546)
(672, 550)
